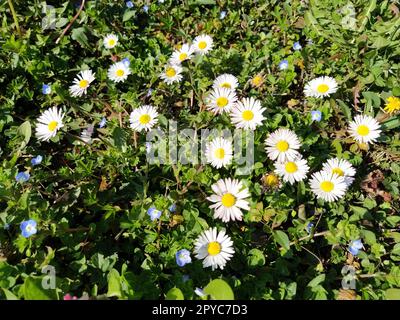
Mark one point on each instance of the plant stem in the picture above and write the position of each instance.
(14, 14)
(71, 22)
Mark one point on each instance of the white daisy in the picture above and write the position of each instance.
(247, 114)
(214, 248)
(282, 145)
(219, 152)
(118, 72)
(81, 83)
(143, 118)
(364, 129)
(292, 171)
(172, 73)
(327, 186)
(342, 168)
(226, 81)
(202, 44)
(110, 41)
(182, 54)
(220, 100)
(49, 123)
(320, 87)
(229, 197)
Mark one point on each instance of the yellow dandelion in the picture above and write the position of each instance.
(392, 105)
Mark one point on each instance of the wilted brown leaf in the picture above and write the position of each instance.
(346, 294)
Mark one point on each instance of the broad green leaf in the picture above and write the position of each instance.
(114, 284)
(255, 258)
(174, 294)
(392, 294)
(34, 289)
(282, 238)
(218, 289)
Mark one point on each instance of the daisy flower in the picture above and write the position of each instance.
(247, 114)
(49, 123)
(214, 248)
(229, 197)
(342, 168)
(118, 72)
(292, 171)
(320, 87)
(219, 152)
(172, 74)
(110, 41)
(81, 83)
(392, 105)
(327, 186)
(202, 44)
(282, 145)
(143, 118)
(270, 181)
(364, 129)
(182, 54)
(221, 99)
(226, 80)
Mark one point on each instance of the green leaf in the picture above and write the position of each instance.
(79, 35)
(25, 131)
(218, 289)
(316, 281)
(392, 294)
(174, 294)
(282, 238)
(114, 284)
(255, 258)
(33, 290)
(9, 295)
(128, 14)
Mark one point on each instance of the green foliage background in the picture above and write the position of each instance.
(90, 201)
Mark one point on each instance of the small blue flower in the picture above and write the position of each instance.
(172, 208)
(22, 177)
(200, 292)
(149, 92)
(222, 15)
(37, 160)
(283, 65)
(129, 4)
(309, 227)
(46, 89)
(103, 122)
(28, 228)
(126, 62)
(183, 257)
(316, 115)
(146, 8)
(297, 46)
(355, 246)
(154, 213)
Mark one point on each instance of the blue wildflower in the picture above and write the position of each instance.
(46, 89)
(283, 65)
(126, 62)
(37, 160)
(103, 122)
(172, 208)
(28, 228)
(149, 92)
(309, 227)
(129, 4)
(222, 15)
(183, 257)
(154, 213)
(316, 115)
(200, 292)
(22, 177)
(355, 246)
(146, 8)
(297, 46)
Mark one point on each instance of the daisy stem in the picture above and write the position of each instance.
(71, 22)
(14, 14)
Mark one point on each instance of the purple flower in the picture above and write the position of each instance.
(146, 8)
(129, 4)
(37, 160)
(183, 257)
(154, 213)
(355, 246)
(28, 228)
(283, 65)
(126, 62)
(297, 46)
(22, 177)
(316, 115)
(46, 89)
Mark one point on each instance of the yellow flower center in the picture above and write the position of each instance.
(290, 167)
(326, 186)
(214, 248)
(282, 146)
(52, 125)
(111, 42)
(202, 45)
(362, 130)
(338, 171)
(392, 105)
(226, 85)
(271, 180)
(322, 88)
(222, 102)
(247, 115)
(120, 73)
(183, 56)
(144, 119)
(219, 153)
(170, 72)
(228, 200)
(257, 80)
(83, 83)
